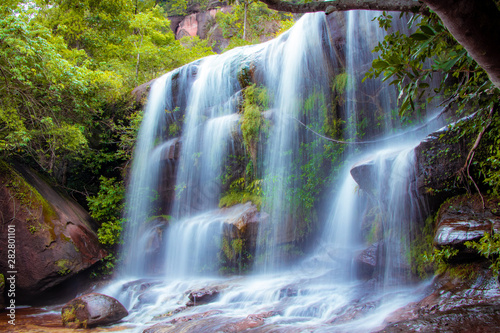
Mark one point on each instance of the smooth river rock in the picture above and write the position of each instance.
(92, 310)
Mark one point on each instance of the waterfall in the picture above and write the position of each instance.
(145, 172)
(297, 66)
(172, 249)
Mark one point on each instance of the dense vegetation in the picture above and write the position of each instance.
(67, 70)
(414, 63)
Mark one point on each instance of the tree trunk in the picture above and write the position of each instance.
(475, 24)
(245, 21)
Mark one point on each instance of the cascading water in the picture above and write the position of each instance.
(296, 67)
(319, 293)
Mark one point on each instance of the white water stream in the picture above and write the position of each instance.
(322, 293)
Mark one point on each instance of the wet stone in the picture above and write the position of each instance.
(92, 310)
(203, 296)
(463, 219)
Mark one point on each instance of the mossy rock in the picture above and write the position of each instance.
(92, 310)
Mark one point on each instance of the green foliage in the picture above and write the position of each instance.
(241, 192)
(341, 83)
(423, 243)
(252, 119)
(30, 199)
(489, 247)
(414, 62)
(261, 22)
(411, 62)
(107, 208)
(105, 267)
(234, 257)
(440, 257)
(49, 95)
(175, 7)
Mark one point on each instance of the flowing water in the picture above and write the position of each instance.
(168, 257)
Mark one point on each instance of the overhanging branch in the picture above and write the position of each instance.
(343, 5)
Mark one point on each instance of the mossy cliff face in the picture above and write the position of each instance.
(53, 235)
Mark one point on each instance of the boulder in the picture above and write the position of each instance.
(366, 261)
(242, 222)
(462, 218)
(204, 295)
(92, 310)
(55, 238)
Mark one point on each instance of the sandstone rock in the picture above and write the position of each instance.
(55, 237)
(438, 159)
(191, 323)
(251, 321)
(461, 219)
(366, 261)
(452, 304)
(204, 295)
(92, 310)
(242, 222)
(140, 93)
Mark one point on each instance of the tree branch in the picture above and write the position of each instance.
(343, 5)
(470, 156)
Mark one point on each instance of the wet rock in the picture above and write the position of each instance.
(242, 222)
(453, 304)
(366, 261)
(92, 310)
(140, 93)
(204, 295)
(55, 237)
(192, 323)
(439, 158)
(290, 291)
(250, 322)
(462, 218)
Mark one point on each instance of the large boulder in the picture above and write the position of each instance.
(54, 236)
(92, 310)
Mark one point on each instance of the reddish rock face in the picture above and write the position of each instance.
(452, 305)
(463, 219)
(92, 310)
(54, 236)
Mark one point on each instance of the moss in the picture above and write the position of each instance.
(69, 318)
(30, 198)
(463, 271)
(63, 264)
(68, 315)
(421, 245)
(245, 76)
(241, 192)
